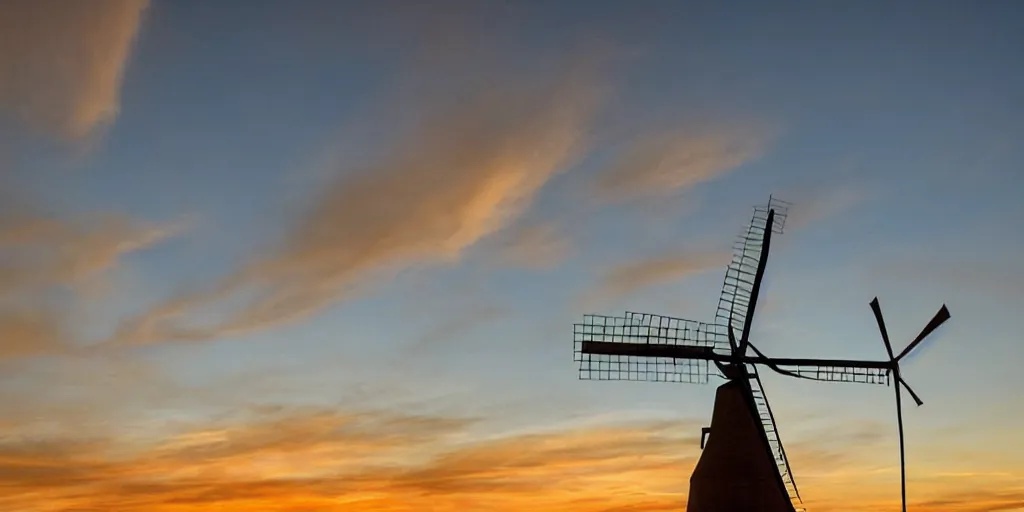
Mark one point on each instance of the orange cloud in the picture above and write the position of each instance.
(362, 461)
(29, 331)
(667, 163)
(465, 171)
(61, 64)
(43, 254)
(293, 459)
(635, 275)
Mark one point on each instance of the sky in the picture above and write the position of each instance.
(324, 256)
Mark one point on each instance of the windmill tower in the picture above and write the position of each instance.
(743, 466)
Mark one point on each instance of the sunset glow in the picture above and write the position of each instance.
(327, 256)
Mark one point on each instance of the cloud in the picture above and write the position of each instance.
(28, 331)
(664, 164)
(44, 260)
(621, 455)
(465, 321)
(61, 64)
(290, 459)
(467, 169)
(49, 251)
(980, 500)
(294, 459)
(537, 245)
(995, 278)
(815, 204)
(635, 275)
(77, 395)
(854, 467)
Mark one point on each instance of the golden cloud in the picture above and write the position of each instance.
(61, 64)
(359, 461)
(634, 275)
(43, 254)
(314, 459)
(666, 163)
(466, 170)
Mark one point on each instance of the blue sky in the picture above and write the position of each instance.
(339, 205)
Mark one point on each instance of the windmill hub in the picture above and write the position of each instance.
(744, 466)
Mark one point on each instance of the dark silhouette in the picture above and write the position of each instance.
(743, 466)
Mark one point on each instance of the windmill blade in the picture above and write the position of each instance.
(755, 289)
(877, 310)
(824, 371)
(732, 337)
(771, 435)
(917, 399)
(833, 373)
(738, 285)
(940, 317)
(642, 347)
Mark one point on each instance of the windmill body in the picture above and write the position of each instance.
(737, 470)
(744, 466)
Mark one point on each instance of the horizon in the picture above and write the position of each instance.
(328, 256)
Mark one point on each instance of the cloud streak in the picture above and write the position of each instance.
(664, 164)
(465, 171)
(635, 275)
(290, 459)
(43, 258)
(536, 245)
(61, 64)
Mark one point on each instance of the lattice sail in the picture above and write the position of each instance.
(644, 329)
(771, 431)
(739, 276)
(647, 347)
(680, 331)
(838, 373)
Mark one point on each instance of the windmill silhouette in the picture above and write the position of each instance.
(743, 466)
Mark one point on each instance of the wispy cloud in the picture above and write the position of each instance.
(460, 324)
(535, 245)
(45, 251)
(288, 459)
(997, 277)
(663, 164)
(61, 64)
(468, 169)
(980, 500)
(293, 459)
(42, 258)
(813, 204)
(635, 275)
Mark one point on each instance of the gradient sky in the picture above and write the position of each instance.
(318, 256)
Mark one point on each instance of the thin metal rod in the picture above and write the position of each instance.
(776, 369)
(899, 423)
(756, 288)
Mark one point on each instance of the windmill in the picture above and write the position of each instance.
(743, 465)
